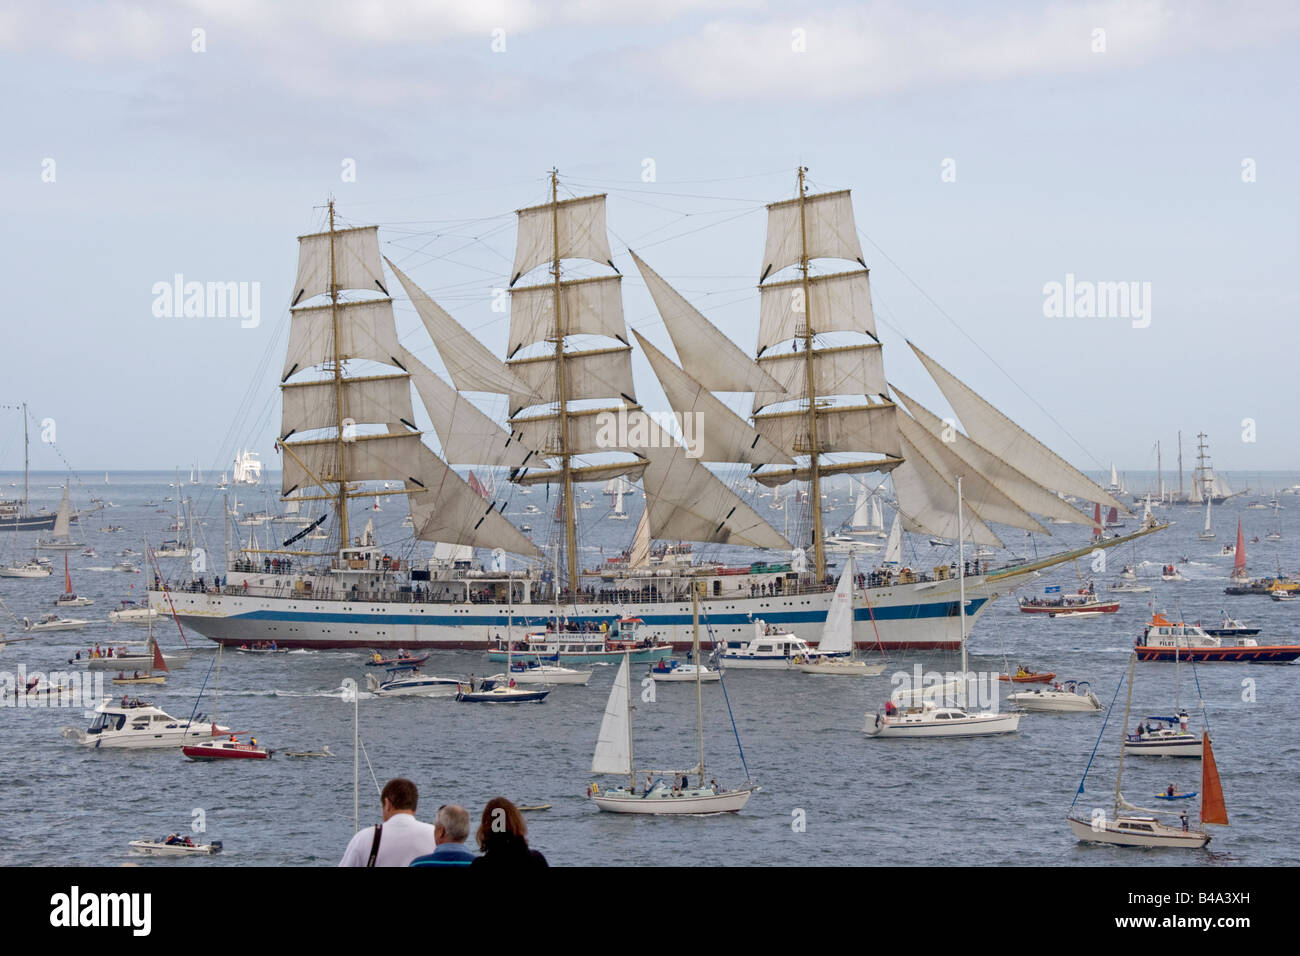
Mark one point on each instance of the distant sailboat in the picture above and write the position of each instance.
(1208, 533)
(835, 651)
(62, 540)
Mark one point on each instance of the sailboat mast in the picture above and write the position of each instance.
(1128, 706)
(961, 569)
(340, 465)
(561, 386)
(631, 757)
(699, 694)
(814, 466)
(27, 452)
(1160, 480)
(1180, 466)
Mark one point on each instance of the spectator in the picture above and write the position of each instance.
(450, 830)
(502, 836)
(400, 838)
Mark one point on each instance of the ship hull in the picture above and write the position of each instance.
(900, 617)
(1281, 654)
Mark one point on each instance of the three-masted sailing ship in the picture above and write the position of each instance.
(822, 408)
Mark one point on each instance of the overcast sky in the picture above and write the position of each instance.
(992, 149)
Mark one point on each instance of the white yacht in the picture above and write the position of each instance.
(412, 684)
(52, 622)
(138, 724)
(1070, 697)
(28, 569)
(132, 612)
(771, 648)
(934, 720)
(671, 670)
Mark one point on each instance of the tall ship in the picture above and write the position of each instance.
(822, 408)
(15, 514)
(248, 468)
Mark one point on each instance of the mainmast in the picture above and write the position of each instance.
(27, 453)
(340, 457)
(570, 523)
(814, 464)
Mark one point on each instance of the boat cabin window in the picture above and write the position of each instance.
(107, 722)
(942, 715)
(764, 649)
(1145, 827)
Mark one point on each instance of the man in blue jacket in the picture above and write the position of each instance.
(450, 831)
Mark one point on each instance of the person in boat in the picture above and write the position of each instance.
(124, 703)
(890, 708)
(253, 740)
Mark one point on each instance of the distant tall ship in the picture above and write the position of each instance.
(14, 514)
(821, 409)
(248, 469)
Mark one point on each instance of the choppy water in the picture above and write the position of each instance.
(992, 801)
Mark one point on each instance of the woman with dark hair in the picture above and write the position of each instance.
(502, 837)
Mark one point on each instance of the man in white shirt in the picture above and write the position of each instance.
(400, 838)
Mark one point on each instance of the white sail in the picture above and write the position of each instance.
(355, 257)
(877, 516)
(1005, 438)
(706, 354)
(982, 495)
(862, 510)
(1028, 495)
(687, 502)
(367, 330)
(469, 363)
(445, 508)
(375, 399)
(613, 751)
(579, 224)
(925, 497)
(894, 546)
(366, 458)
(639, 556)
(468, 436)
(723, 435)
(841, 428)
(596, 373)
(827, 222)
(1209, 502)
(588, 306)
(63, 520)
(839, 302)
(837, 632)
(848, 370)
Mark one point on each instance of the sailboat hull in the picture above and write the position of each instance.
(1138, 831)
(910, 727)
(658, 803)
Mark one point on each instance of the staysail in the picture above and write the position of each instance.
(614, 744)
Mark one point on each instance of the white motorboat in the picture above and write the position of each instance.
(771, 648)
(669, 671)
(132, 612)
(498, 689)
(535, 672)
(1069, 697)
(1171, 573)
(406, 683)
(166, 846)
(28, 569)
(1127, 587)
(53, 622)
(138, 724)
(1128, 574)
(1279, 595)
(126, 567)
(1160, 740)
(933, 720)
(835, 651)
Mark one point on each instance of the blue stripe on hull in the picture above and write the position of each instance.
(908, 612)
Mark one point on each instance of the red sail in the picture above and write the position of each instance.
(477, 486)
(1213, 809)
(158, 663)
(1112, 517)
(1096, 522)
(1239, 563)
(67, 576)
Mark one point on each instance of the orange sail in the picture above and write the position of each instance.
(1212, 806)
(1239, 562)
(67, 575)
(158, 663)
